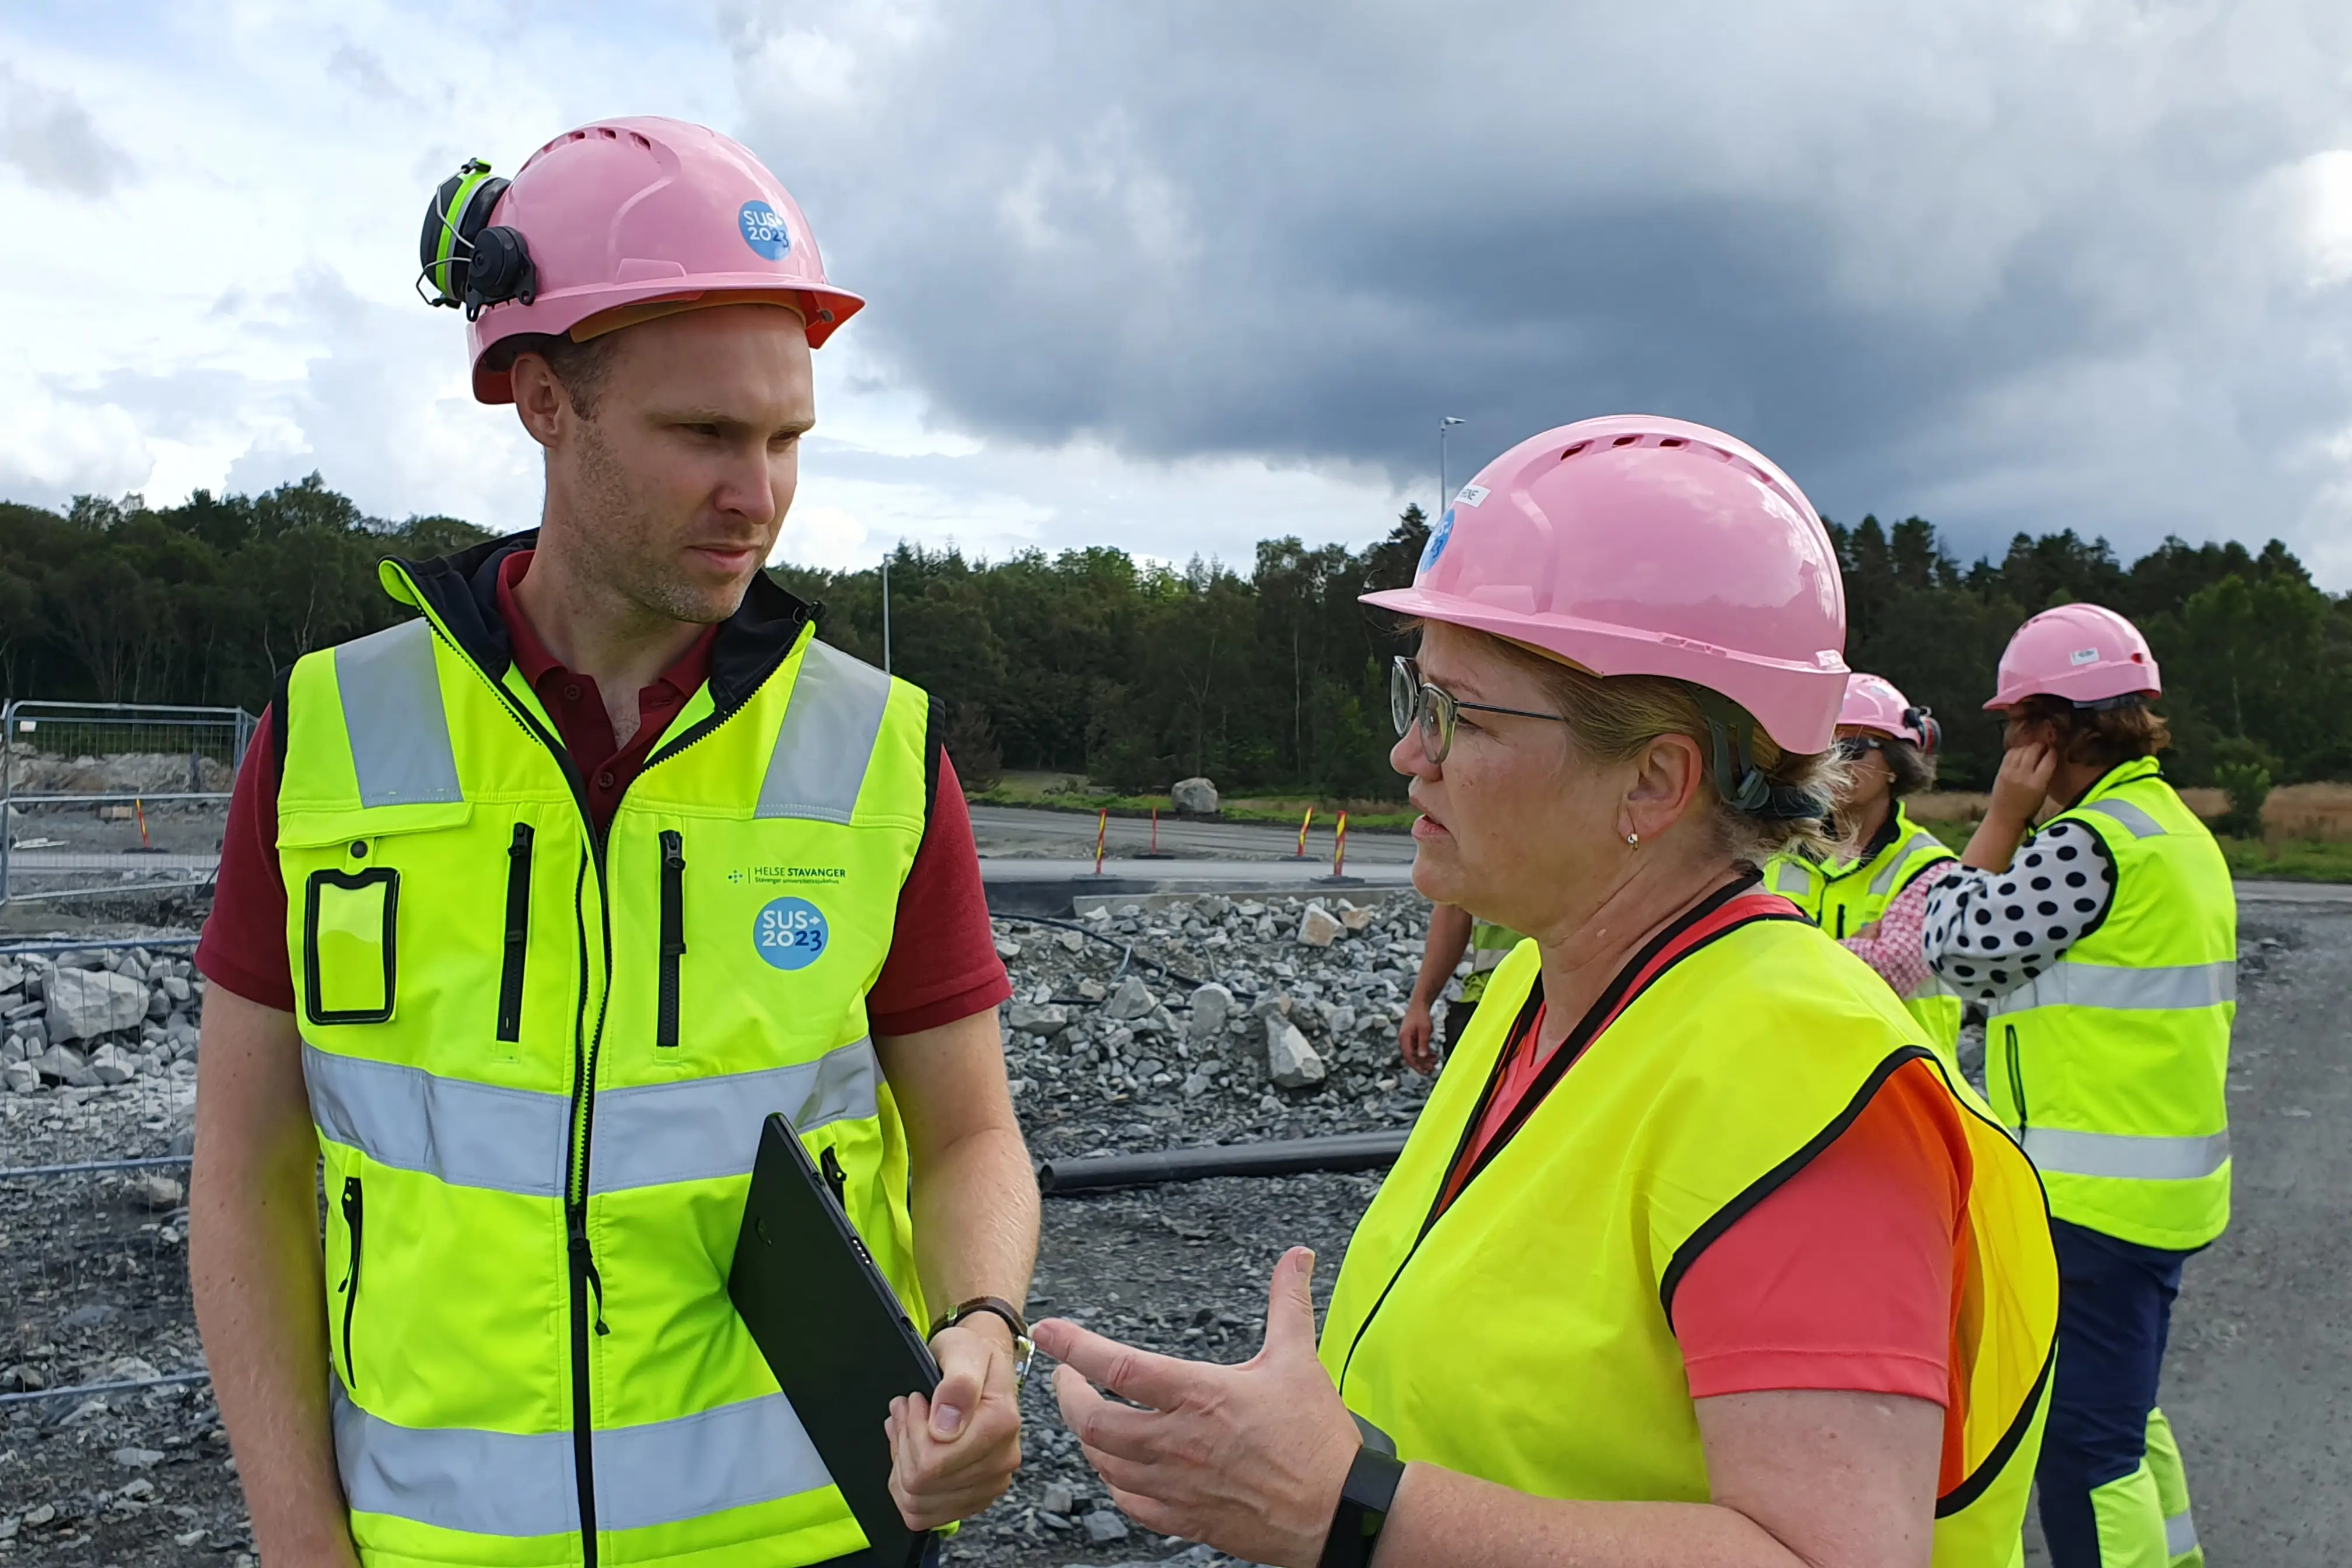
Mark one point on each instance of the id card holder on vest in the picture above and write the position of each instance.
(350, 955)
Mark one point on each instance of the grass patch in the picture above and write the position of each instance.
(2289, 859)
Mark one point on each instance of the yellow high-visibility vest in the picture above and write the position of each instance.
(539, 1059)
(1525, 1333)
(1842, 897)
(1489, 945)
(2113, 1064)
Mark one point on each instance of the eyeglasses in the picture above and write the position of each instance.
(1852, 748)
(1415, 704)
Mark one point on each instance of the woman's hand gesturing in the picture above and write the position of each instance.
(1248, 1459)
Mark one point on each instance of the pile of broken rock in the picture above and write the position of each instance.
(97, 1016)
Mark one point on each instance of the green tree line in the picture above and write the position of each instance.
(1136, 672)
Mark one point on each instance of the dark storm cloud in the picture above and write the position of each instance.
(2012, 266)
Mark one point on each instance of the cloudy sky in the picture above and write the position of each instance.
(1181, 276)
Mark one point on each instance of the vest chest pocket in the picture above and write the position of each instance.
(350, 947)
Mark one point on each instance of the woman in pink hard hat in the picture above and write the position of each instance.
(2104, 948)
(1870, 891)
(484, 943)
(1696, 1254)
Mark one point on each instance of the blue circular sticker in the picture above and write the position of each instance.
(764, 231)
(1438, 539)
(790, 934)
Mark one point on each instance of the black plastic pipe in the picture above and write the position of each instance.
(1279, 1157)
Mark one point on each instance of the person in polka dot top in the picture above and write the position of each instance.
(1990, 932)
(2102, 950)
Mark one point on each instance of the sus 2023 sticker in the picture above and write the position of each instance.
(790, 933)
(763, 230)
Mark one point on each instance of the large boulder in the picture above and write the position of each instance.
(1211, 1006)
(1133, 999)
(1193, 797)
(85, 1003)
(1290, 1061)
(1045, 1020)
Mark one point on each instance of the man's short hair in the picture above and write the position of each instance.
(581, 368)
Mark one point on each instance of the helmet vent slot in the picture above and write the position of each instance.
(1674, 441)
(1572, 451)
(1624, 441)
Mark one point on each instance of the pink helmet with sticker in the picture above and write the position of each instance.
(1871, 702)
(648, 213)
(1642, 546)
(2087, 655)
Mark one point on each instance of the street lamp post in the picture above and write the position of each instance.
(885, 614)
(1444, 426)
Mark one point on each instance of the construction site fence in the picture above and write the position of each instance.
(113, 797)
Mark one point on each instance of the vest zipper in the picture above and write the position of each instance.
(517, 933)
(828, 1164)
(354, 1216)
(586, 1042)
(673, 936)
(2016, 1074)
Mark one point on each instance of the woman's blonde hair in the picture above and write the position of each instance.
(1611, 718)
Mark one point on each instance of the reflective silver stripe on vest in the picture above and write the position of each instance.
(467, 1134)
(513, 1140)
(2179, 1533)
(827, 738)
(1886, 878)
(697, 1128)
(2125, 987)
(1791, 880)
(2141, 823)
(392, 711)
(483, 1483)
(2125, 1156)
(663, 1471)
(505, 1484)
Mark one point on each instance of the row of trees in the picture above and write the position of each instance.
(1138, 673)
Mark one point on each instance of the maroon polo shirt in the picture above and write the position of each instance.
(942, 963)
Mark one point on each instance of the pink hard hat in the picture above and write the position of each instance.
(650, 213)
(1871, 702)
(1642, 546)
(2083, 653)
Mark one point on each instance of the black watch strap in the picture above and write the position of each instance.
(1364, 1499)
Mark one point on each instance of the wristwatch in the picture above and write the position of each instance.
(1364, 1499)
(1025, 1349)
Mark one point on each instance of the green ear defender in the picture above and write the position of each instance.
(464, 261)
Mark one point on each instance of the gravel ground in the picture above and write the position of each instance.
(2258, 1384)
(1110, 1052)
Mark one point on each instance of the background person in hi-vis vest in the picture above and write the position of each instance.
(1699, 1253)
(2105, 948)
(1451, 933)
(532, 908)
(1870, 891)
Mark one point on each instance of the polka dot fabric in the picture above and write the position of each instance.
(1989, 932)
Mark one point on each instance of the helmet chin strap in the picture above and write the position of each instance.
(1741, 783)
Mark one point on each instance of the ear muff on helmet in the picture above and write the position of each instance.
(464, 260)
(1922, 721)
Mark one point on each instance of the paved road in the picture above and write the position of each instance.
(1013, 831)
(2259, 1381)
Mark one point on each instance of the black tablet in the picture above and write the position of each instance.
(840, 1344)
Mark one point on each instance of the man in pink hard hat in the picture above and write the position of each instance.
(2104, 949)
(533, 908)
